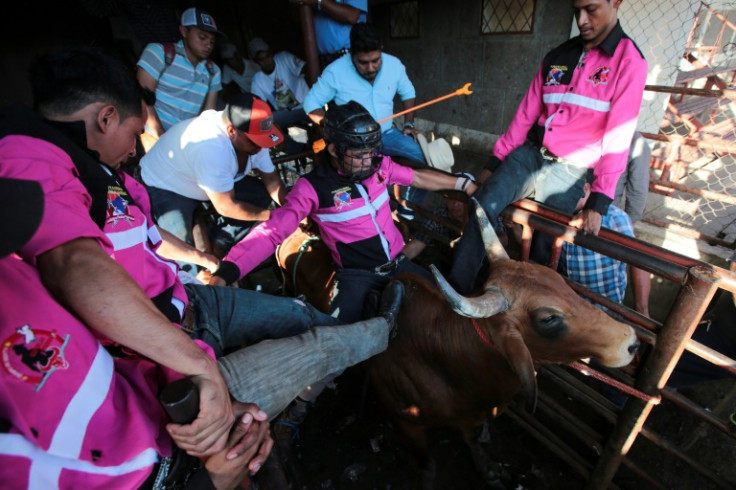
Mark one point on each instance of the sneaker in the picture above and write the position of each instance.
(391, 299)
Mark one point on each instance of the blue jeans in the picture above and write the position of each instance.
(395, 144)
(269, 348)
(524, 173)
(227, 318)
(353, 285)
(175, 214)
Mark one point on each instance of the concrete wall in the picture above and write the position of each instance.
(450, 51)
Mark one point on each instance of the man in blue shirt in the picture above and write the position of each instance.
(332, 22)
(372, 78)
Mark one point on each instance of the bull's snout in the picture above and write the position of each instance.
(634, 346)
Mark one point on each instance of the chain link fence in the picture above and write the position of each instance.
(689, 115)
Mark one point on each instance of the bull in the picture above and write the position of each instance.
(457, 361)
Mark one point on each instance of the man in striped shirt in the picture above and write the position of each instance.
(580, 112)
(185, 80)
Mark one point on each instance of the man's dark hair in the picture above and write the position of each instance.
(364, 38)
(67, 80)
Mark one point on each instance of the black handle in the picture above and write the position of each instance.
(180, 399)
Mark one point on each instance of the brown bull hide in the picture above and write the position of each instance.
(438, 372)
(312, 271)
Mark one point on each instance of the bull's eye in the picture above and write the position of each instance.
(548, 322)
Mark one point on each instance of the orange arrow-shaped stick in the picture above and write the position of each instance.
(319, 145)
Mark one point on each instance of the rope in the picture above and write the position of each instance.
(302, 250)
(587, 370)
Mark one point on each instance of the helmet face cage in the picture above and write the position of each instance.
(351, 127)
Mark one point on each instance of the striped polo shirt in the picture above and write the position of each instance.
(182, 88)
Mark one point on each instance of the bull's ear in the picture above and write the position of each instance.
(511, 344)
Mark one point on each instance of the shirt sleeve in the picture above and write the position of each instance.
(361, 5)
(637, 178)
(262, 161)
(321, 92)
(152, 60)
(295, 64)
(526, 116)
(405, 88)
(620, 126)
(66, 201)
(262, 240)
(397, 174)
(216, 82)
(258, 88)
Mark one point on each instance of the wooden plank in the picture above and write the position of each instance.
(708, 71)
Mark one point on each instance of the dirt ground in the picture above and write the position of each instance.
(347, 442)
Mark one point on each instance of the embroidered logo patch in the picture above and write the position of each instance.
(555, 74)
(33, 356)
(381, 176)
(341, 198)
(266, 123)
(600, 76)
(117, 206)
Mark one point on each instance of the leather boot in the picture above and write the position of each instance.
(391, 299)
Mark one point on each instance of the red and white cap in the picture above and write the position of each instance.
(251, 115)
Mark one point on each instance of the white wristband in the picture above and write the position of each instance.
(462, 183)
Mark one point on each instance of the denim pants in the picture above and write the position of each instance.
(395, 144)
(353, 285)
(524, 173)
(269, 348)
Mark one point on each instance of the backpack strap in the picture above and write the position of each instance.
(169, 53)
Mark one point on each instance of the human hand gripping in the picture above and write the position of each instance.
(589, 221)
(247, 448)
(208, 434)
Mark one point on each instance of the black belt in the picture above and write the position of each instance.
(389, 267)
(548, 155)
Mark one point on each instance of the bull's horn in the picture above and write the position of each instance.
(488, 304)
(494, 249)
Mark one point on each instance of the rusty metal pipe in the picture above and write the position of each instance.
(695, 294)
(602, 243)
(728, 278)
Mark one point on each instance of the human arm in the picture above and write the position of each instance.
(409, 119)
(641, 286)
(210, 102)
(322, 92)
(434, 181)
(618, 133)
(102, 294)
(274, 185)
(155, 128)
(174, 248)
(341, 12)
(637, 181)
(526, 116)
(247, 449)
(262, 240)
(226, 205)
(316, 116)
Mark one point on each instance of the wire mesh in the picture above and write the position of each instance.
(694, 158)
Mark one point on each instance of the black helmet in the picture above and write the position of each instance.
(351, 127)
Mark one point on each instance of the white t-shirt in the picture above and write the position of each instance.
(243, 80)
(196, 156)
(285, 87)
